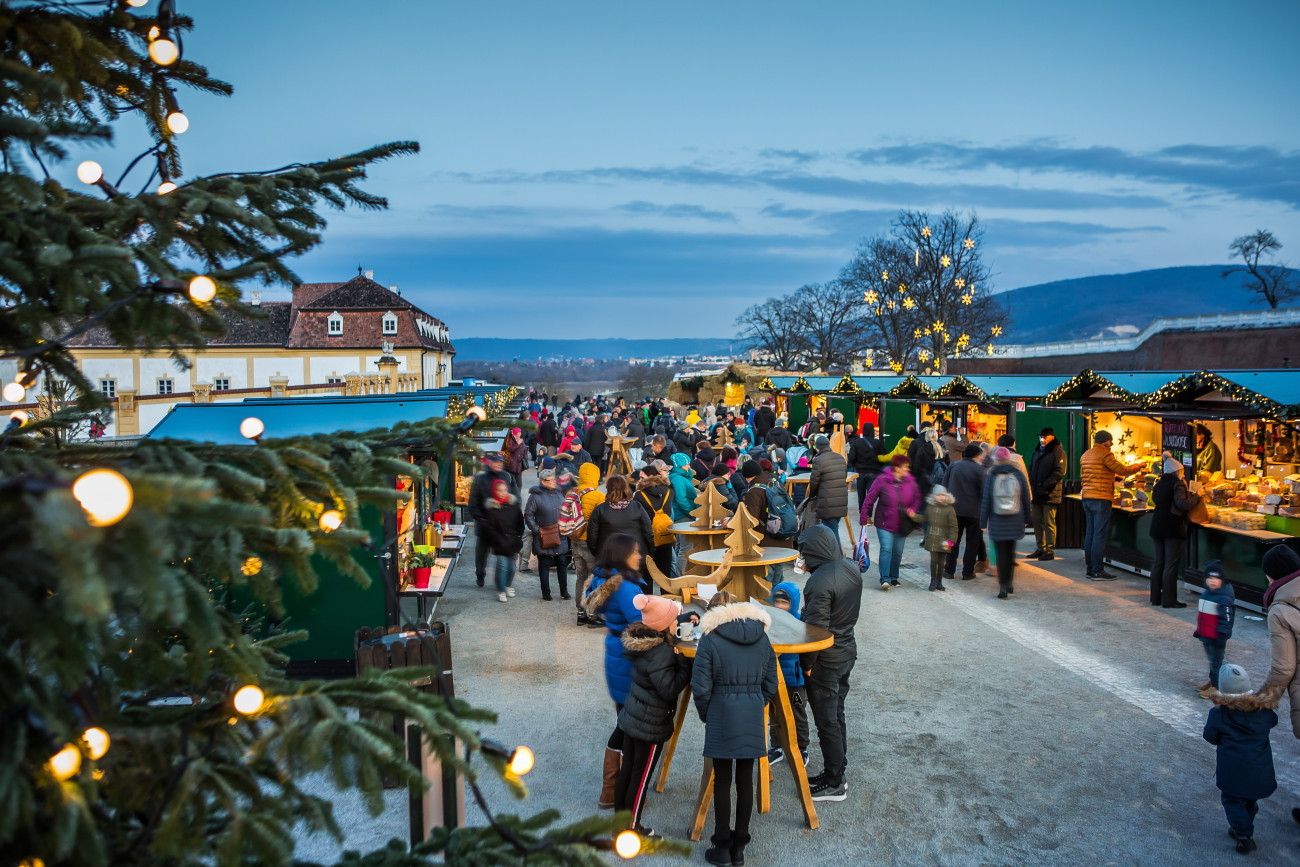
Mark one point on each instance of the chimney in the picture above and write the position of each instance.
(393, 289)
(255, 298)
(370, 275)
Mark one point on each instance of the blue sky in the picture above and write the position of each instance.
(651, 170)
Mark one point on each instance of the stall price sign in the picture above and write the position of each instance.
(1176, 438)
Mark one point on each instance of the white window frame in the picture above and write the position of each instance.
(108, 387)
(217, 383)
(166, 385)
(390, 323)
(335, 327)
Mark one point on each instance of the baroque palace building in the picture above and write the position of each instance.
(350, 338)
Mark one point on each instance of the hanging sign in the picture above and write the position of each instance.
(1020, 406)
(1176, 438)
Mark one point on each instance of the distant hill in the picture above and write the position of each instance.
(1113, 305)
(509, 349)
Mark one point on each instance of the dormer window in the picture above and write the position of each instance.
(390, 322)
(336, 324)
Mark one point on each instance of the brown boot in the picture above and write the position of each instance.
(981, 567)
(613, 761)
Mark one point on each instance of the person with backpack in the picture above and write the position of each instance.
(575, 513)
(770, 505)
(1004, 513)
(828, 485)
(654, 495)
(542, 517)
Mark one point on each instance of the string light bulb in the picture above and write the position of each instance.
(14, 392)
(165, 187)
(251, 427)
(177, 122)
(154, 32)
(65, 764)
(90, 172)
(202, 289)
(18, 417)
(331, 520)
(522, 761)
(97, 742)
(249, 700)
(968, 244)
(627, 844)
(163, 51)
(136, 3)
(105, 495)
(251, 566)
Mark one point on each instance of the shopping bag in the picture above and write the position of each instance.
(862, 553)
(1198, 514)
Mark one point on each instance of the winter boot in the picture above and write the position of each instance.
(981, 567)
(738, 842)
(720, 852)
(613, 760)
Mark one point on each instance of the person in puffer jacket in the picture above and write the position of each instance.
(684, 491)
(616, 582)
(1214, 617)
(786, 596)
(659, 674)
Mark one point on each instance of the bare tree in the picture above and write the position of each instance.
(893, 326)
(774, 331)
(645, 380)
(1273, 281)
(832, 317)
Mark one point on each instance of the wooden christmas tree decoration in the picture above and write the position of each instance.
(721, 439)
(743, 540)
(710, 506)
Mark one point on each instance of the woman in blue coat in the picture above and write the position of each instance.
(735, 677)
(684, 490)
(616, 580)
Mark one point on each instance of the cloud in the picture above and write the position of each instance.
(831, 186)
(677, 211)
(794, 156)
(1247, 173)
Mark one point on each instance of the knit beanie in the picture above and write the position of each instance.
(548, 463)
(765, 465)
(1279, 562)
(750, 470)
(1172, 466)
(1002, 453)
(1214, 569)
(1233, 680)
(778, 455)
(821, 442)
(972, 450)
(657, 612)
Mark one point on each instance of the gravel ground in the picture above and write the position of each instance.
(1058, 727)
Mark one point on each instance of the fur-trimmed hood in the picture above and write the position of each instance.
(492, 503)
(654, 480)
(1266, 700)
(639, 638)
(740, 622)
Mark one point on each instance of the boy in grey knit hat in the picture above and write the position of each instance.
(1239, 726)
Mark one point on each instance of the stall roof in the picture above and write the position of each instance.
(1230, 394)
(219, 422)
(1005, 386)
(878, 383)
(1111, 389)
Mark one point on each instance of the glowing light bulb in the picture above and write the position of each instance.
(65, 764)
(477, 412)
(154, 33)
(97, 740)
(331, 521)
(202, 289)
(105, 495)
(249, 700)
(522, 761)
(19, 416)
(14, 392)
(251, 427)
(136, 3)
(251, 566)
(164, 52)
(627, 844)
(165, 187)
(177, 122)
(90, 172)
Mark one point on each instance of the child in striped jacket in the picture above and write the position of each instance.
(1214, 616)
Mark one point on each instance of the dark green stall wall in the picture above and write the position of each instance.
(895, 417)
(848, 407)
(1034, 418)
(798, 412)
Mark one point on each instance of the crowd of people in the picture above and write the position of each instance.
(934, 480)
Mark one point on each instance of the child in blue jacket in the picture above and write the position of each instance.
(1239, 725)
(786, 596)
(1214, 616)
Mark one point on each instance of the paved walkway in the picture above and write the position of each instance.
(1058, 727)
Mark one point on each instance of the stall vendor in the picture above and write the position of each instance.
(1209, 459)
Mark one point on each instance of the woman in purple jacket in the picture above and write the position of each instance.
(893, 495)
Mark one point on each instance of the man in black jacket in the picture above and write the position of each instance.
(965, 481)
(863, 455)
(832, 600)
(494, 467)
(595, 442)
(1046, 470)
(548, 434)
(778, 436)
(764, 421)
(659, 449)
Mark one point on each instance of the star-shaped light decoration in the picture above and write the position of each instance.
(997, 330)
(870, 297)
(963, 340)
(908, 302)
(924, 355)
(878, 311)
(990, 349)
(891, 305)
(928, 332)
(968, 244)
(916, 333)
(884, 275)
(938, 325)
(967, 298)
(926, 231)
(946, 337)
(896, 366)
(944, 261)
(959, 282)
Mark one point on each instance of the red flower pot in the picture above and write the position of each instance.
(420, 577)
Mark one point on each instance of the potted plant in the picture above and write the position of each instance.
(443, 515)
(421, 568)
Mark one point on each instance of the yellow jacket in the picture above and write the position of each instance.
(1098, 469)
(904, 444)
(588, 477)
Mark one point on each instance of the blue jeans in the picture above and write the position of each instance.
(505, 572)
(1214, 653)
(832, 524)
(1241, 814)
(1096, 516)
(890, 555)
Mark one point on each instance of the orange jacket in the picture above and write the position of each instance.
(1098, 468)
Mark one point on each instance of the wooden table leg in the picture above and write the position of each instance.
(705, 799)
(764, 775)
(853, 541)
(683, 706)
(791, 746)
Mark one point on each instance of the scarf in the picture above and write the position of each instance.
(1276, 586)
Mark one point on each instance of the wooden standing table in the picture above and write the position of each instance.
(787, 634)
(747, 577)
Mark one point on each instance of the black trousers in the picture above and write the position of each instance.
(1164, 570)
(634, 776)
(970, 528)
(864, 484)
(544, 564)
(723, 774)
(827, 686)
(481, 553)
(1006, 551)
